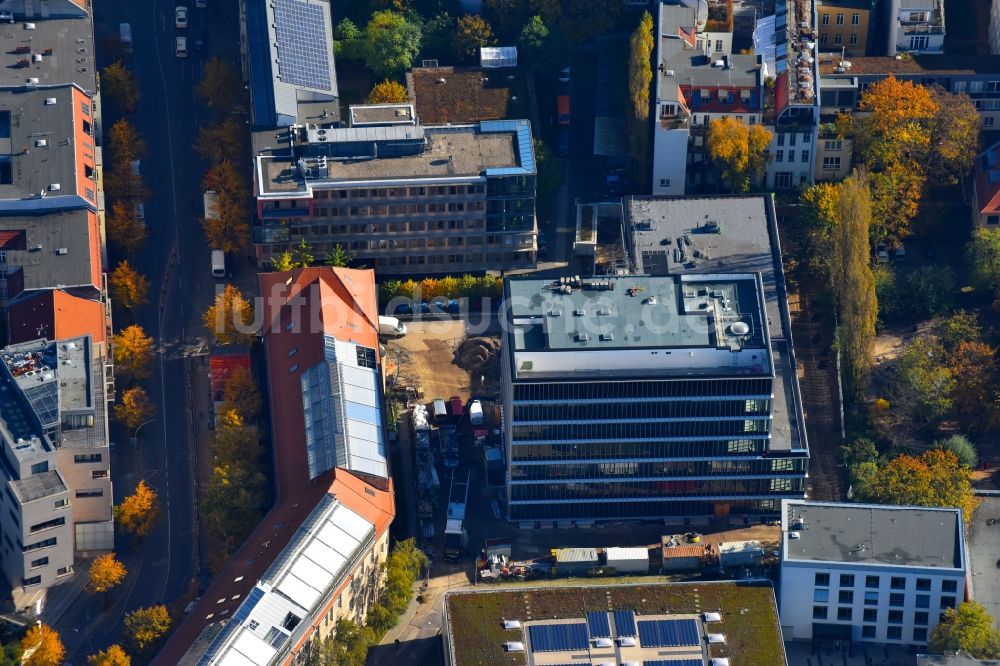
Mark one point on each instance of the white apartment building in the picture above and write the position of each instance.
(917, 26)
(869, 573)
(55, 463)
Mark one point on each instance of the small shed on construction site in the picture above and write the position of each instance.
(628, 560)
(574, 561)
(740, 553)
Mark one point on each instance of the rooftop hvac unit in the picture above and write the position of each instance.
(50, 101)
(41, 143)
(62, 251)
(37, 57)
(54, 187)
(29, 26)
(32, 81)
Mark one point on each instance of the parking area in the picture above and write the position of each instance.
(984, 548)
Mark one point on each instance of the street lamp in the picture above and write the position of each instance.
(135, 435)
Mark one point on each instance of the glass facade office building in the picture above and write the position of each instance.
(644, 397)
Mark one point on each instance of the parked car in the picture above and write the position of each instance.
(181, 47)
(181, 17)
(565, 75)
(882, 253)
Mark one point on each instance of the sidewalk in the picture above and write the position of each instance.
(419, 627)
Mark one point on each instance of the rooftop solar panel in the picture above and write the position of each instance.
(303, 52)
(668, 633)
(243, 612)
(558, 637)
(597, 622)
(674, 662)
(625, 622)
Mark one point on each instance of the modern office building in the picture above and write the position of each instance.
(787, 43)
(398, 196)
(55, 470)
(287, 50)
(697, 80)
(844, 25)
(915, 26)
(670, 392)
(869, 573)
(317, 555)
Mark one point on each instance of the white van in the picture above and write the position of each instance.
(391, 327)
(218, 264)
(439, 410)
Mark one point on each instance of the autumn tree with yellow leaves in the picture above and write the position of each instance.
(640, 78)
(132, 351)
(241, 395)
(229, 229)
(41, 647)
(125, 230)
(738, 151)
(134, 407)
(139, 511)
(105, 573)
(230, 318)
(129, 288)
(113, 656)
(387, 92)
(144, 626)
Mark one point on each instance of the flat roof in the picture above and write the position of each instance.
(38, 486)
(64, 47)
(39, 138)
(54, 249)
(476, 633)
(873, 534)
(621, 312)
(467, 94)
(456, 152)
(907, 63)
(382, 114)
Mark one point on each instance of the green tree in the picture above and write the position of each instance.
(982, 256)
(346, 30)
(550, 170)
(145, 626)
(506, 16)
(923, 384)
(963, 449)
(581, 20)
(853, 283)
(437, 40)
(472, 32)
(338, 257)
(533, 38)
(968, 627)
(955, 136)
(960, 326)
(935, 478)
(891, 299)
(392, 42)
(283, 262)
(929, 291)
(856, 453)
(303, 254)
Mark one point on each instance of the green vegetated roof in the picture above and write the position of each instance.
(749, 616)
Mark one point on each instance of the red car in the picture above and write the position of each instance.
(456, 406)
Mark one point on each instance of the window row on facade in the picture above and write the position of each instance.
(395, 193)
(617, 449)
(610, 490)
(640, 430)
(874, 582)
(608, 510)
(610, 390)
(642, 410)
(667, 468)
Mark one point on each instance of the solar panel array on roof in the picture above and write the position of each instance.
(243, 612)
(668, 633)
(597, 622)
(625, 622)
(558, 637)
(674, 662)
(303, 53)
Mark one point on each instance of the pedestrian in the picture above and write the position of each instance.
(397, 643)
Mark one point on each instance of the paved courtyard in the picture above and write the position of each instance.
(984, 549)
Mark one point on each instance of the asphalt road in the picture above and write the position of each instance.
(176, 261)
